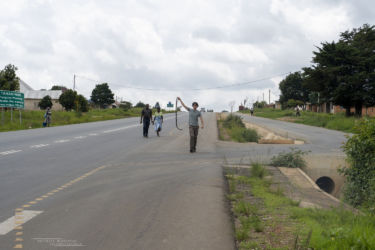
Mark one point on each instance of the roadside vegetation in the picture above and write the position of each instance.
(264, 218)
(292, 159)
(34, 119)
(331, 121)
(233, 128)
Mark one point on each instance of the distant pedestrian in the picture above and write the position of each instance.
(158, 120)
(193, 123)
(252, 111)
(298, 111)
(146, 118)
(47, 117)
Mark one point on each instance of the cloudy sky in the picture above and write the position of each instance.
(172, 46)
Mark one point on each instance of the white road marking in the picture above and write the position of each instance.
(80, 137)
(93, 134)
(39, 146)
(9, 224)
(61, 141)
(117, 129)
(10, 152)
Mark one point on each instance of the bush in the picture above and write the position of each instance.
(45, 103)
(292, 159)
(360, 176)
(258, 170)
(233, 121)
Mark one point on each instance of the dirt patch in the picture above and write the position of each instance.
(287, 119)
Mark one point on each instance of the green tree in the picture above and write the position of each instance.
(126, 105)
(102, 95)
(344, 72)
(260, 105)
(9, 79)
(140, 105)
(291, 88)
(360, 176)
(67, 99)
(45, 102)
(58, 87)
(81, 103)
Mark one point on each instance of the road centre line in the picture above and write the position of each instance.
(39, 146)
(10, 152)
(61, 141)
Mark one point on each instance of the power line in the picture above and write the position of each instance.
(182, 89)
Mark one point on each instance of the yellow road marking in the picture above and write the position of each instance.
(19, 233)
(19, 228)
(19, 239)
(19, 209)
(39, 199)
(18, 246)
(32, 202)
(26, 205)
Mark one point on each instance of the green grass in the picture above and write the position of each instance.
(331, 121)
(237, 131)
(34, 119)
(306, 227)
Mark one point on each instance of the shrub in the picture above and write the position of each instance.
(360, 176)
(258, 170)
(292, 159)
(244, 135)
(233, 121)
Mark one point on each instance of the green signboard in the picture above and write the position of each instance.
(11, 99)
(169, 105)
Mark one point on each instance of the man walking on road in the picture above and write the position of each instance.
(146, 118)
(193, 124)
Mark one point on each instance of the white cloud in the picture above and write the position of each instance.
(170, 44)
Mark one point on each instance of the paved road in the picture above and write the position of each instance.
(317, 141)
(103, 186)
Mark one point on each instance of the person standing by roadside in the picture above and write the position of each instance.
(158, 120)
(47, 116)
(146, 118)
(193, 124)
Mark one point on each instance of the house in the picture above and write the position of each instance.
(33, 97)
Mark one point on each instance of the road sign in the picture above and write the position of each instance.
(11, 99)
(170, 105)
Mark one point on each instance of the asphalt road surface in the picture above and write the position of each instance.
(103, 186)
(317, 141)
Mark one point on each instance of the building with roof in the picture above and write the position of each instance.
(33, 97)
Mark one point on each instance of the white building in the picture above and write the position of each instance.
(33, 97)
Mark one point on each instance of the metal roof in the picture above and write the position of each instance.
(30, 93)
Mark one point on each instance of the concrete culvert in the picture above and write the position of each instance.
(326, 184)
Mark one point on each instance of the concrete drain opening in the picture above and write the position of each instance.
(326, 184)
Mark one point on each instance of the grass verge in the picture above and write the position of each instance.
(233, 128)
(34, 119)
(331, 121)
(265, 219)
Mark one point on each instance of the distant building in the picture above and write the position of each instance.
(33, 97)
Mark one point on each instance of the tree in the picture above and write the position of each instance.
(45, 102)
(9, 79)
(360, 176)
(259, 105)
(291, 88)
(140, 105)
(102, 95)
(58, 87)
(81, 103)
(126, 105)
(67, 99)
(344, 72)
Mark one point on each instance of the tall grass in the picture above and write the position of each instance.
(331, 121)
(34, 119)
(237, 130)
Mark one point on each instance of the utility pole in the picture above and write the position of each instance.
(74, 82)
(263, 96)
(269, 96)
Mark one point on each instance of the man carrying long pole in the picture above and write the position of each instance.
(193, 123)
